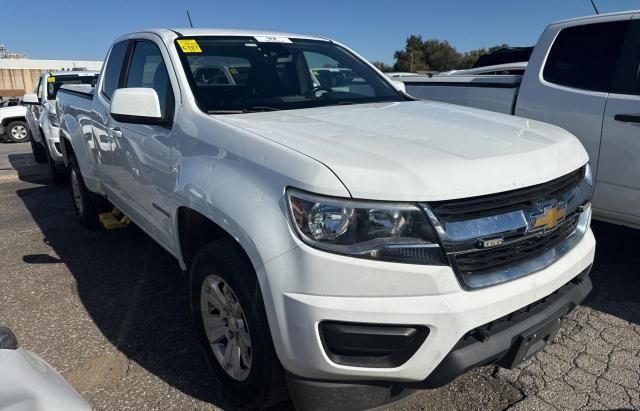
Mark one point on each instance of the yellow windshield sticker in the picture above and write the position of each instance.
(189, 46)
(51, 79)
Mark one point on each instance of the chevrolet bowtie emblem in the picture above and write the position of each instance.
(549, 217)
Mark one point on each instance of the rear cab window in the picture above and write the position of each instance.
(55, 82)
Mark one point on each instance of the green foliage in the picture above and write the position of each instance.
(435, 55)
(382, 66)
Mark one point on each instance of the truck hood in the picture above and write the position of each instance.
(422, 150)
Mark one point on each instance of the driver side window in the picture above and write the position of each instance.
(147, 69)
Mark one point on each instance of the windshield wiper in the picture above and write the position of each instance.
(255, 109)
(251, 109)
(225, 111)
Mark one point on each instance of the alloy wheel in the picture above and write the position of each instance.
(226, 327)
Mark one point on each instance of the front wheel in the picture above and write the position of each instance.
(57, 171)
(18, 131)
(232, 326)
(39, 154)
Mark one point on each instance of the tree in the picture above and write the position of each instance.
(411, 58)
(440, 55)
(436, 55)
(382, 66)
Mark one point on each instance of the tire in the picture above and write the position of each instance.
(57, 171)
(39, 154)
(222, 266)
(18, 131)
(86, 204)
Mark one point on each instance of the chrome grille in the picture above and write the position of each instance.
(468, 229)
(500, 203)
(525, 248)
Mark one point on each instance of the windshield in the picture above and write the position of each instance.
(55, 82)
(243, 74)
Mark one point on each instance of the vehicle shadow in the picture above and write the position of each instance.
(133, 290)
(616, 272)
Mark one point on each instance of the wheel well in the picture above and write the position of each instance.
(67, 149)
(6, 121)
(195, 231)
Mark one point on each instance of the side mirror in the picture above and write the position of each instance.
(30, 99)
(136, 105)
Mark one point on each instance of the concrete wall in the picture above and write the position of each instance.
(20, 76)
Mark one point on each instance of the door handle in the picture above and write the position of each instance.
(627, 118)
(115, 132)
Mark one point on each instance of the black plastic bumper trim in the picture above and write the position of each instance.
(314, 395)
(371, 345)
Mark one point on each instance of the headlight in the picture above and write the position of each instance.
(366, 229)
(53, 119)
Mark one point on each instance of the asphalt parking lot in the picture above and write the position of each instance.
(108, 309)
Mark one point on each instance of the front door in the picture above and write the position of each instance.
(141, 167)
(618, 181)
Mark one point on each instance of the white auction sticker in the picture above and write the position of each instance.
(272, 39)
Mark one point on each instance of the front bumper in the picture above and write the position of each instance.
(498, 342)
(305, 287)
(52, 139)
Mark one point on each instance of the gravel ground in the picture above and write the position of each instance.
(109, 311)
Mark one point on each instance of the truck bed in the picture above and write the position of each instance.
(80, 90)
(490, 92)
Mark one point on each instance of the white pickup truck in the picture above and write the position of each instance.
(345, 243)
(43, 121)
(583, 76)
(13, 125)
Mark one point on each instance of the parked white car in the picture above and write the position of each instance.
(29, 383)
(345, 241)
(43, 121)
(583, 77)
(13, 125)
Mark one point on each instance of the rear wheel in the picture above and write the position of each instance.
(39, 154)
(86, 204)
(18, 131)
(231, 323)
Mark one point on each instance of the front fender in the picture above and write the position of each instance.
(242, 191)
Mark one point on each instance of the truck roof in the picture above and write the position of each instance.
(188, 32)
(72, 73)
(597, 17)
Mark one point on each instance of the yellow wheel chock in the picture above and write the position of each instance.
(114, 219)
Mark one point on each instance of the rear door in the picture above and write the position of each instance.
(570, 86)
(617, 190)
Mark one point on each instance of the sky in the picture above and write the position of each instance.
(83, 30)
